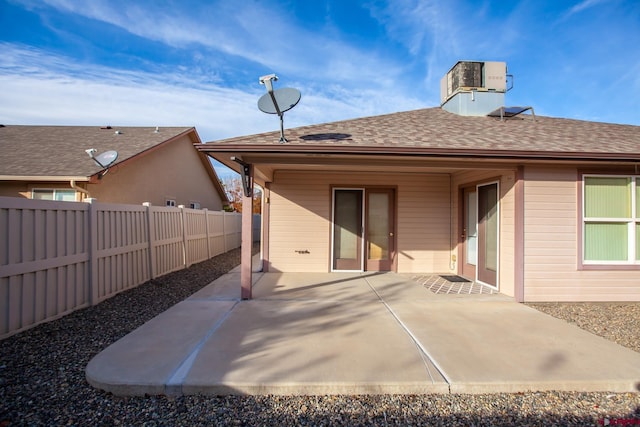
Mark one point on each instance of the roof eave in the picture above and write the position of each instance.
(211, 149)
(45, 178)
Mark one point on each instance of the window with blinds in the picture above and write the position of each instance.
(611, 218)
(54, 194)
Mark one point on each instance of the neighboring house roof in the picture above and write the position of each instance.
(436, 132)
(58, 152)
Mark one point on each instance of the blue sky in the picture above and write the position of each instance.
(197, 63)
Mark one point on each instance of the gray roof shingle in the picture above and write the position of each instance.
(434, 128)
(60, 150)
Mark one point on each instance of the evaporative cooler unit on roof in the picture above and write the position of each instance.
(473, 88)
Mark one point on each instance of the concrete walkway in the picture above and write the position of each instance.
(347, 333)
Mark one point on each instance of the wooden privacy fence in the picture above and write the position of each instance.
(57, 257)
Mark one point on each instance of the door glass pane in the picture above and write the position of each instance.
(606, 242)
(378, 226)
(490, 193)
(607, 197)
(472, 229)
(347, 223)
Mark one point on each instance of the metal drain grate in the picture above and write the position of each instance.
(447, 284)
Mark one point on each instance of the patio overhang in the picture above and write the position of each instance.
(268, 160)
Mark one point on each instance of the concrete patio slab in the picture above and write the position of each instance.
(347, 287)
(302, 347)
(145, 360)
(351, 333)
(499, 346)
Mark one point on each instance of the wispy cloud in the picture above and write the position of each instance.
(196, 62)
(425, 28)
(324, 66)
(75, 94)
(583, 5)
(437, 34)
(69, 93)
(252, 31)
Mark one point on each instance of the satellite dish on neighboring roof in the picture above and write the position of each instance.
(277, 101)
(104, 160)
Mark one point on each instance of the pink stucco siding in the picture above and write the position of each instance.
(300, 219)
(552, 227)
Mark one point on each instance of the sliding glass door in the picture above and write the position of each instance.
(363, 229)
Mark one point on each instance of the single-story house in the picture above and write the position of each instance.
(538, 208)
(158, 165)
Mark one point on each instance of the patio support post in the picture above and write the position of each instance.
(518, 291)
(247, 233)
(264, 229)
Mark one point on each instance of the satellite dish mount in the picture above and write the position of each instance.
(277, 101)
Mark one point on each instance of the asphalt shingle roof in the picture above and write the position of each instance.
(60, 150)
(434, 128)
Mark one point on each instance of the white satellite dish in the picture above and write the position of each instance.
(104, 160)
(277, 101)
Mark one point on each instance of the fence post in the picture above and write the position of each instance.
(94, 294)
(151, 238)
(224, 231)
(206, 231)
(185, 254)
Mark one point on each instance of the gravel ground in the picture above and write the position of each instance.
(617, 322)
(42, 378)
